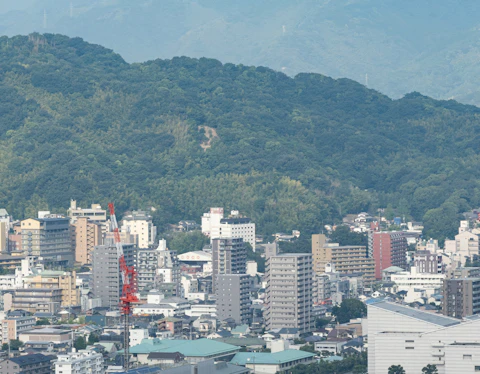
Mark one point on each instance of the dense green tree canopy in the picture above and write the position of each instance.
(349, 309)
(181, 135)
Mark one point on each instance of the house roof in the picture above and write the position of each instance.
(242, 358)
(286, 330)
(189, 348)
(31, 359)
(162, 355)
(429, 317)
(242, 329)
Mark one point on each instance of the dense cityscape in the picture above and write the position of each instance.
(405, 300)
(239, 187)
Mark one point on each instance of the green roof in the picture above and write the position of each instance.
(188, 348)
(242, 342)
(48, 273)
(242, 358)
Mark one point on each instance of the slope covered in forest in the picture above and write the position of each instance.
(181, 135)
(430, 46)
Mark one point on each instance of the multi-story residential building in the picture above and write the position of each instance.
(214, 225)
(81, 362)
(346, 259)
(289, 292)
(141, 224)
(106, 278)
(229, 256)
(49, 239)
(400, 335)
(428, 262)
(232, 293)
(271, 249)
(461, 297)
(28, 364)
(87, 235)
(389, 249)
(38, 300)
(95, 214)
(63, 280)
(12, 326)
(168, 271)
(319, 242)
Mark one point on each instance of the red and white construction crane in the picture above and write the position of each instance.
(129, 286)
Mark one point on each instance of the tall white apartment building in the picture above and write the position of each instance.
(400, 335)
(81, 362)
(290, 292)
(140, 223)
(215, 226)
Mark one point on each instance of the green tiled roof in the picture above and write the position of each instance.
(241, 329)
(189, 348)
(282, 357)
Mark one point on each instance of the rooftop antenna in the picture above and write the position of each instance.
(366, 80)
(44, 18)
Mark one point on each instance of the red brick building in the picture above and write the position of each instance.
(389, 249)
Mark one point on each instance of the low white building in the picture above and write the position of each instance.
(412, 279)
(197, 310)
(400, 335)
(81, 362)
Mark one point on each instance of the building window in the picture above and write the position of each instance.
(467, 357)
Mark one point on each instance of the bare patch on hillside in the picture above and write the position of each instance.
(211, 135)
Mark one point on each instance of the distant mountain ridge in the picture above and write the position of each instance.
(396, 47)
(77, 121)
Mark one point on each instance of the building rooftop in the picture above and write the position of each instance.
(242, 358)
(189, 348)
(31, 359)
(429, 317)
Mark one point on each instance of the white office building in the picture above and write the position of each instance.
(81, 362)
(400, 335)
(215, 226)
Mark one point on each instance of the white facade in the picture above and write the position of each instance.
(197, 310)
(406, 280)
(215, 226)
(400, 335)
(81, 362)
(140, 223)
(137, 335)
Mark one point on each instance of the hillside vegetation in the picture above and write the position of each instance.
(429, 46)
(77, 121)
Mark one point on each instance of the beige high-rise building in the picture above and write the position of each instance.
(65, 281)
(87, 235)
(95, 214)
(346, 259)
(318, 244)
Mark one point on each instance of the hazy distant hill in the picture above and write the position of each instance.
(181, 135)
(430, 46)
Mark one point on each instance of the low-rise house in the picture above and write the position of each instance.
(47, 334)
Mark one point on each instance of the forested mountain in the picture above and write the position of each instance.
(181, 135)
(429, 46)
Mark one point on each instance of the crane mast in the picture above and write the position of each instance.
(129, 286)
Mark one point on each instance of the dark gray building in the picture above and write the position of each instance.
(229, 256)
(461, 297)
(106, 278)
(28, 364)
(290, 291)
(233, 297)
